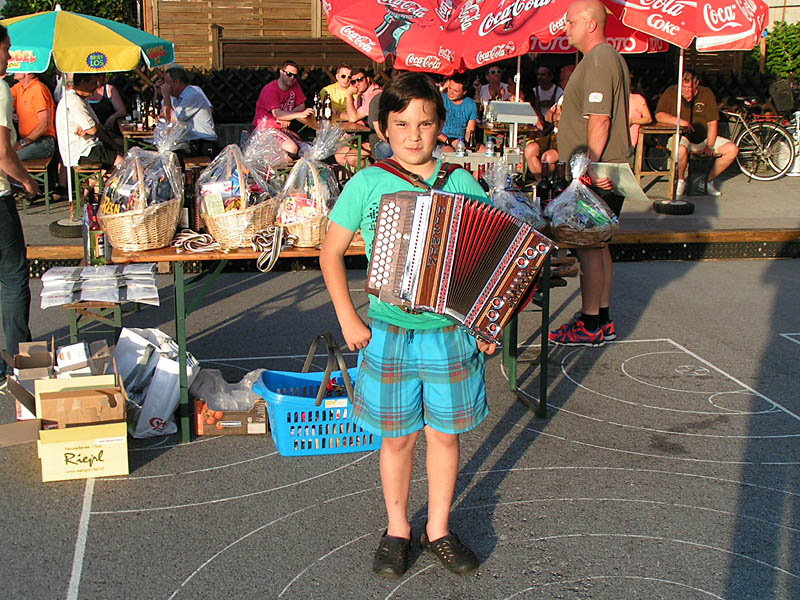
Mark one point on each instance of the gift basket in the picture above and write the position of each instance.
(311, 190)
(509, 198)
(579, 216)
(238, 191)
(141, 201)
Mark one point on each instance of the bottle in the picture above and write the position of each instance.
(317, 107)
(243, 139)
(461, 149)
(490, 146)
(195, 222)
(560, 179)
(327, 111)
(470, 142)
(188, 208)
(136, 113)
(97, 238)
(544, 189)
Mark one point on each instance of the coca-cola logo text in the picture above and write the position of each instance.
(362, 42)
(495, 53)
(444, 10)
(447, 54)
(720, 18)
(672, 8)
(748, 8)
(326, 6)
(659, 23)
(405, 7)
(492, 21)
(469, 13)
(556, 27)
(428, 62)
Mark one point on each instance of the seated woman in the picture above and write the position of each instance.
(107, 104)
(638, 112)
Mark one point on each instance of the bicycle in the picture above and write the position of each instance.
(766, 148)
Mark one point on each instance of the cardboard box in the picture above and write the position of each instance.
(12, 434)
(25, 401)
(81, 452)
(35, 360)
(83, 359)
(230, 422)
(45, 386)
(69, 408)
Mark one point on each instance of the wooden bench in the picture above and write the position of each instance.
(38, 167)
(201, 161)
(83, 314)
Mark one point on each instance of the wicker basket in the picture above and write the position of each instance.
(587, 237)
(234, 229)
(309, 233)
(148, 229)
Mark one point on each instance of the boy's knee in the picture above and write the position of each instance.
(399, 444)
(440, 438)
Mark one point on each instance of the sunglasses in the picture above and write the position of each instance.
(493, 72)
(356, 79)
(290, 75)
(344, 76)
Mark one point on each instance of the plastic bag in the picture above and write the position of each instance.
(229, 183)
(507, 197)
(578, 215)
(221, 395)
(146, 178)
(311, 187)
(263, 153)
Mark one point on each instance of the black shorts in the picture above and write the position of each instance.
(100, 154)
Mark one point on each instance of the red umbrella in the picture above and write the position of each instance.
(444, 36)
(624, 39)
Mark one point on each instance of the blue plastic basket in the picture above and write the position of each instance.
(299, 427)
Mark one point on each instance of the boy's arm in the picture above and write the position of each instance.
(331, 259)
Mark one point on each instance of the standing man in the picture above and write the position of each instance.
(36, 111)
(595, 118)
(15, 293)
(188, 104)
(281, 100)
(700, 118)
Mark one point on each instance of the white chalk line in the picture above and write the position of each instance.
(80, 541)
(791, 337)
(605, 577)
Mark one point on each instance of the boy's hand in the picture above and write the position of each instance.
(486, 347)
(356, 335)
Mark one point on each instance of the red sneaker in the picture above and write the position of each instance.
(576, 334)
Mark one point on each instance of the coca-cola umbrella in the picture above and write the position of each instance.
(713, 25)
(624, 40)
(444, 36)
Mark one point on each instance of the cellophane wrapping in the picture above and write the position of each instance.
(263, 154)
(147, 178)
(311, 188)
(232, 183)
(509, 198)
(578, 215)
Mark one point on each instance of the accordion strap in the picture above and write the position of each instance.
(393, 167)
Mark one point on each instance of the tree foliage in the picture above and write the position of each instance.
(783, 50)
(115, 10)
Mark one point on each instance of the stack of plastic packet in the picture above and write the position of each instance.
(110, 283)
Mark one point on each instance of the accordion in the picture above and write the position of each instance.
(442, 253)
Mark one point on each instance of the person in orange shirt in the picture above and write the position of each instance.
(34, 105)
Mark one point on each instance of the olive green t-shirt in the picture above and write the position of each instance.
(357, 207)
(600, 85)
(702, 109)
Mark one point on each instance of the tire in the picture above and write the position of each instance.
(673, 207)
(656, 155)
(766, 151)
(63, 230)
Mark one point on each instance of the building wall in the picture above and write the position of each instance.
(783, 10)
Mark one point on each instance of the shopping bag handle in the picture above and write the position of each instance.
(335, 360)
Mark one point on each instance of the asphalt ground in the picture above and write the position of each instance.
(666, 467)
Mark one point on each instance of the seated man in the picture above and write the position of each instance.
(462, 114)
(185, 103)
(337, 91)
(282, 100)
(36, 110)
(537, 147)
(81, 138)
(700, 118)
(359, 96)
(547, 93)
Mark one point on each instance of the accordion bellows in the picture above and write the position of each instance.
(442, 253)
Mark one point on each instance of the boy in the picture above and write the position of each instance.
(416, 370)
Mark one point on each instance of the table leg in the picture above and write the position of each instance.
(510, 352)
(180, 335)
(544, 351)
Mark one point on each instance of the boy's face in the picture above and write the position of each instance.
(412, 133)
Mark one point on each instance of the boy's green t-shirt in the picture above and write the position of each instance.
(357, 207)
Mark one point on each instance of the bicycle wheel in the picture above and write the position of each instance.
(766, 151)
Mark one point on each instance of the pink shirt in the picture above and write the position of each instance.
(271, 97)
(362, 102)
(637, 108)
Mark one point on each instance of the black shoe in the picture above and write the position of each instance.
(452, 553)
(391, 557)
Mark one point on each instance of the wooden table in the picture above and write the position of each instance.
(357, 129)
(472, 160)
(132, 135)
(181, 286)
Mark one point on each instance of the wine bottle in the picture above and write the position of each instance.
(544, 189)
(97, 238)
(560, 179)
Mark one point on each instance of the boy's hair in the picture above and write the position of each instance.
(3, 33)
(404, 88)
